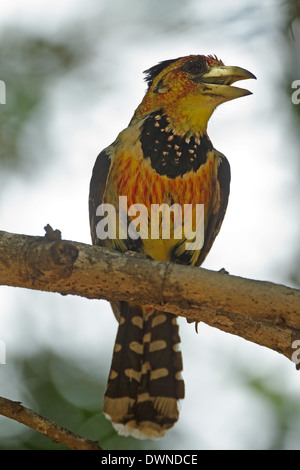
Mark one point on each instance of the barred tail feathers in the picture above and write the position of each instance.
(145, 382)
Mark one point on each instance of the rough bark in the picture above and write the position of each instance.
(259, 311)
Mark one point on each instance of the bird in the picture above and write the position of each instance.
(164, 160)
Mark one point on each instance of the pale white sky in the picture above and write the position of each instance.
(257, 239)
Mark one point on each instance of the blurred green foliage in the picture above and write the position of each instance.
(285, 409)
(291, 38)
(29, 64)
(291, 68)
(68, 394)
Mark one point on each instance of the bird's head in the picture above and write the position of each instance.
(190, 88)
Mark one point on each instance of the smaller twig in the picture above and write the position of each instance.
(55, 432)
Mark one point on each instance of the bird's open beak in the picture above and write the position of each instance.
(219, 79)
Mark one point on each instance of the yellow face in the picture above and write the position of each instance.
(190, 88)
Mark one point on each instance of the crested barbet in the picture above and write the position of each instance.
(162, 164)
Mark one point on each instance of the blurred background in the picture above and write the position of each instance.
(73, 72)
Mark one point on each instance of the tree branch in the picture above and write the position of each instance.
(14, 410)
(261, 312)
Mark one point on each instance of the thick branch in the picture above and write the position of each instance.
(262, 312)
(16, 411)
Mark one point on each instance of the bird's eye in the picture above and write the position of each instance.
(195, 67)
